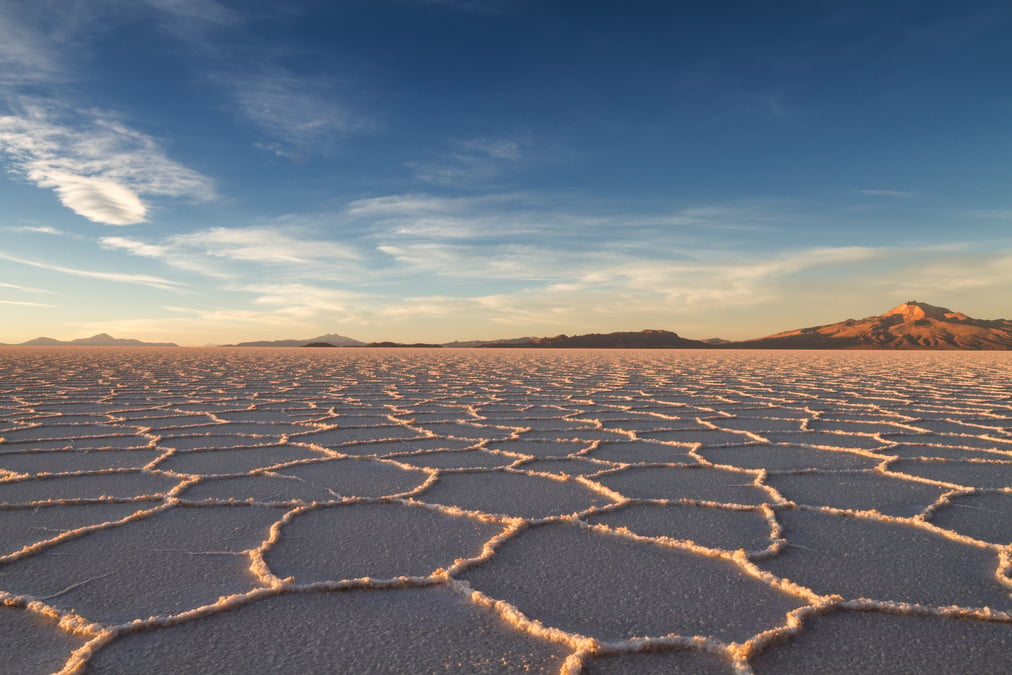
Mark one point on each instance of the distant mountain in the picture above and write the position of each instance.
(507, 342)
(100, 340)
(331, 339)
(912, 325)
(645, 339)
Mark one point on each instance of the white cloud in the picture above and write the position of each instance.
(98, 199)
(261, 244)
(23, 303)
(41, 229)
(139, 279)
(27, 289)
(226, 252)
(98, 167)
(135, 247)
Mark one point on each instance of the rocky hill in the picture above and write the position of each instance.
(912, 325)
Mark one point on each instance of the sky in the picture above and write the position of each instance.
(213, 171)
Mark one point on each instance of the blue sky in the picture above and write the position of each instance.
(208, 171)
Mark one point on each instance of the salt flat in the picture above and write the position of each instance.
(268, 510)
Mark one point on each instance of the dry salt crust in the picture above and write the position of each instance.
(470, 511)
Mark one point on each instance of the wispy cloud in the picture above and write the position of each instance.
(470, 162)
(37, 229)
(139, 279)
(497, 223)
(25, 56)
(27, 289)
(298, 114)
(23, 303)
(98, 167)
(261, 244)
(208, 252)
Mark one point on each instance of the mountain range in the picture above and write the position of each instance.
(331, 339)
(100, 340)
(911, 325)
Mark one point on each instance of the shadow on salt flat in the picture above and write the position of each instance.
(173, 422)
(374, 540)
(690, 482)
(92, 443)
(857, 491)
(992, 474)
(33, 644)
(214, 441)
(868, 558)
(915, 451)
(969, 442)
(333, 438)
(127, 485)
(426, 630)
(757, 424)
(29, 525)
(466, 459)
(510, 494)
(262, 488)
(633, 452)
(871, 642)
(786, 458)
(162, 564)
(395, 447)
(573, 466)
(612, 588)
(987, 517)
(578, 435)
(728, 529)
(70, 432)
(539, 448)
(358, 477)
(826, 439)
(676, 662)
(705, 436)
(235, 460)
(67, 461)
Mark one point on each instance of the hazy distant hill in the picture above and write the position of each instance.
(330, 339)
(645, 339)
(912, 325)
(100, 340)
(507, 342)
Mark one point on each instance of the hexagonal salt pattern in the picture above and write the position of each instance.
(486, 511)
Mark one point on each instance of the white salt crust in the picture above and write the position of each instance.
(495, 511)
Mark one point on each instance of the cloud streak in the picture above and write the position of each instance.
(27, 289)
(226, 252)
(98, 167)
(22, 303)
(117, 277)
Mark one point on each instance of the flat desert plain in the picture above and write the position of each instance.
(431, 511)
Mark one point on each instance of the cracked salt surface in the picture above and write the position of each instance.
(471, 511)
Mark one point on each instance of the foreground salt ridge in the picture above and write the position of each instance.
(383, 431)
